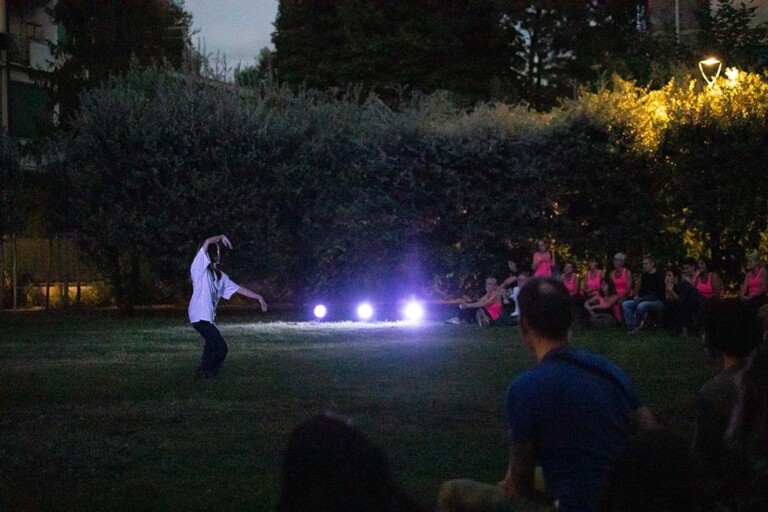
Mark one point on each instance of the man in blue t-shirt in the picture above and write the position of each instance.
(572, 413)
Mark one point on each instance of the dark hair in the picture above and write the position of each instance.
(611, 286)
(214, 254)
(330, 465)
(674, 269)
(545, 305)
(730, 327)
(655, 472)
(689, 261)
(705, 261)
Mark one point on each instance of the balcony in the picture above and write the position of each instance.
(29, 52)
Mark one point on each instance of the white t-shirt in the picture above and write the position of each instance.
(515, 293)
(206, 290)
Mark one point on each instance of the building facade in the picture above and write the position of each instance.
(26, 31)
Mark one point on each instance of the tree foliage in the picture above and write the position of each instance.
(11, 183)
(454, 45)
(329, 194)
(732, 33)
(102, 37)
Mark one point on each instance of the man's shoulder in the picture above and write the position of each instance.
(723, 382)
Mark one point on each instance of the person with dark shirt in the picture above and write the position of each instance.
(730, 333)
(682, 303)
(573, 412)
(648, 296)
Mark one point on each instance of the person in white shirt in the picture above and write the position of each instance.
(209, 284)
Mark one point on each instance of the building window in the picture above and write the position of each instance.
(34, 31)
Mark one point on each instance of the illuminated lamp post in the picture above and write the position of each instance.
(710, 69)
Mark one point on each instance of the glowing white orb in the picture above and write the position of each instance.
(414, 311)
(364, 311)
(320, 311)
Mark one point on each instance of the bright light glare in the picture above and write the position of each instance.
(414, 311)
(364, 311)
(320, 311)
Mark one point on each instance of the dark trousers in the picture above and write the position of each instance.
(214, 351)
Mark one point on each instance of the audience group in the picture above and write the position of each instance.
(581, 437)
(673, 298)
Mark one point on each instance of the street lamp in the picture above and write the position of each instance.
(710, 69)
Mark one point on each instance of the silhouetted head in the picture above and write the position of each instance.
(331, 466)
(545, 308)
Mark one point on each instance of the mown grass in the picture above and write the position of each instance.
(99, 412)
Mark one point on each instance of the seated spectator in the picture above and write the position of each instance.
(682, 303)
(513, 273)
(755, 286)
(688, 270)
(572, 412)
(590, 286)
(707, 282)
(648, 295)
(600, 307)
(655, 473)
(543, 260)
(622, 281)
(330, 466)
(521, 280)
(730, 334)
(747, 436)
(486, 309)
(572, 281)
(508, 283)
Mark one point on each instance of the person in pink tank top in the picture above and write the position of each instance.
(570, 279)
(591, 283)
(600, 307)
(753, 290)
(621, 278)
(708, 283)
(543, 260)
(487, 309)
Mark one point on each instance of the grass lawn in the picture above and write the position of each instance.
(99, 412)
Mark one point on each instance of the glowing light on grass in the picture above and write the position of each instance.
(413, 311)
(320, 311)
(364, 311)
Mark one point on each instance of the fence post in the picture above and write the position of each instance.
(48, 273)
(2, 274)
(65, 260)
(77, 269)
(15, 273)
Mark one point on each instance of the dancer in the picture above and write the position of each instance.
(209, 284)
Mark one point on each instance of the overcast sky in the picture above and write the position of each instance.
(237, 28)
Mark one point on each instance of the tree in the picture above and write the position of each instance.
(152, 163)
(453, 45)
(732, 33)
(555, 46)
(11, 183)
(102, 37)
(711, 174)
(260, 73)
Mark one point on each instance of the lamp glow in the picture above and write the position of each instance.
(364, 311)
(414, 311)
(320, 311)
(710, 69)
